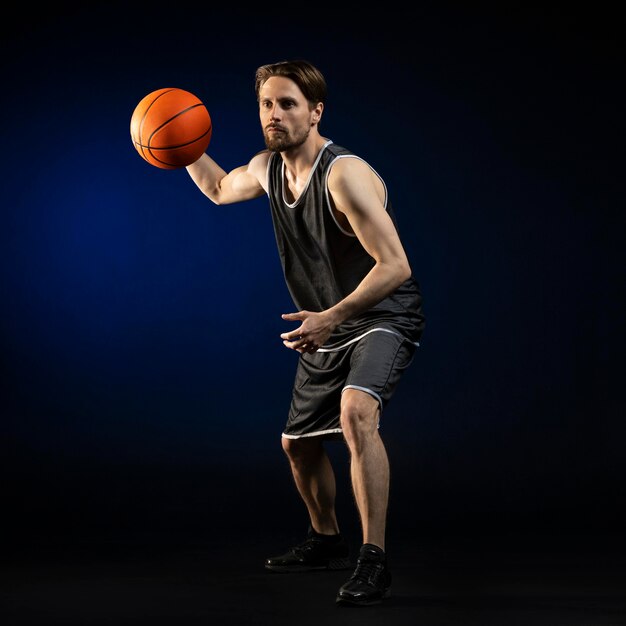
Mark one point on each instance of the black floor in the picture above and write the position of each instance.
(132, 546)
(439, 579)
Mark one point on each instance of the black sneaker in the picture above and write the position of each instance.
(371, 581)
(316, 552)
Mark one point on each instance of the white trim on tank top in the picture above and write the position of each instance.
(294, 204)
(349, 156)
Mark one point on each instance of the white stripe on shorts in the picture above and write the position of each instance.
(372, 330)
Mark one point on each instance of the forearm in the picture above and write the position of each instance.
(382, 280)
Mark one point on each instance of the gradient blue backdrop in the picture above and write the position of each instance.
(145, 383)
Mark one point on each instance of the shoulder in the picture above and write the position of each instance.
(341, 161)
(353, 181)
(260, 159)
(258, 165)
(347, 168)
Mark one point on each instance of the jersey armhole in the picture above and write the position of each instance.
(327, 193)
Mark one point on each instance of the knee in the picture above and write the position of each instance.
(299, 450)
(359, 419)
(290, 446)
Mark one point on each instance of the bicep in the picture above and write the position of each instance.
(353, 188)
(245, 182)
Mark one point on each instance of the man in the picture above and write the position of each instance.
(359, 316)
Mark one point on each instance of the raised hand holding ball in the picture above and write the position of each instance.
(171, 128)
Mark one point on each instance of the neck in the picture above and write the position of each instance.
(299, 161)
(298, 164)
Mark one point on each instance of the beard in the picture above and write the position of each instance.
(284, 140)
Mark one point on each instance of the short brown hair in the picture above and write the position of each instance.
(308, 78)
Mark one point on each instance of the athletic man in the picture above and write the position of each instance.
(358, 318)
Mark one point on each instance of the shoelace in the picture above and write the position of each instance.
(368, 571)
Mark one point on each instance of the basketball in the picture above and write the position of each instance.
(170, 128)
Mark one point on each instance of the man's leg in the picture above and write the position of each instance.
(369, 466)
(369, 469)
(315, 481)
(324, 547)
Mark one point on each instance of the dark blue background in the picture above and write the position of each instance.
(145, 385)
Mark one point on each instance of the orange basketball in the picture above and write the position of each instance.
(170, 128)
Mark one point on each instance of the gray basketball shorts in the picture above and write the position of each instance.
(373, 364)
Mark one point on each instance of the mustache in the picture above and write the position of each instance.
(275, 126)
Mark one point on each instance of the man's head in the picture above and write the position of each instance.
(291, 97)
(308, 78)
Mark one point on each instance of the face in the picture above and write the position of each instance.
(285, 115)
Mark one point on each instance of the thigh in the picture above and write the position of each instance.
(316, 395)
(377, 364)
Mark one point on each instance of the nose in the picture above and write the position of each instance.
(275, 112)
(272, 107)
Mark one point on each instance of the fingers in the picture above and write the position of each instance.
(301, 345)
(296, 339)
(292, 335)
(300, 315)
(307, 348)
(296, 333)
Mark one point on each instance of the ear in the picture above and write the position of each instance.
(317, 111)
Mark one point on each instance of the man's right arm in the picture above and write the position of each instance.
(243, 183)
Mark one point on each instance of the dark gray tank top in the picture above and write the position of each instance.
(322, 263)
